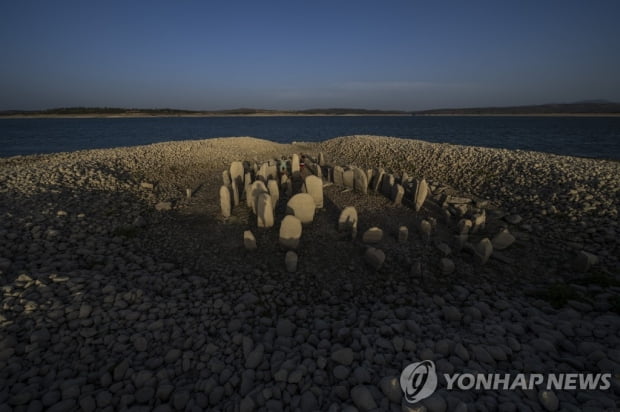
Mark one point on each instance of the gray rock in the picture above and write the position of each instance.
(549, 400)
(372, 235)
(446, 266)
(585, 260)
(255, 357)
(502, 240)
(290, 260)
(362, 398)
(426, 228)
(374, 257)
(285, 328)
(451, 313)
(390, 386)
(290, 232)
(343, 356)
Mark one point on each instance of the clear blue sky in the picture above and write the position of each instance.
(297, 54)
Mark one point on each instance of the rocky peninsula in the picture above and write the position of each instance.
(125, 285)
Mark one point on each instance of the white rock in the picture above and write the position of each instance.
(314, 187)
(274, 192)
(302, 206)
(225, 201)
(249, 241)
(348, 219)
(237, 173)
(290, 232)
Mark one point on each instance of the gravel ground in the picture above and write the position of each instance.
(110, 304)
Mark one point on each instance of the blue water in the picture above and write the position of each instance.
(597, 137)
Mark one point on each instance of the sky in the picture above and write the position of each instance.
(294, 54)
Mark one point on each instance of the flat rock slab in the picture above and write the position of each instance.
(290, 232)
(302, 206)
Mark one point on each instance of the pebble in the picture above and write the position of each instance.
(362, 398)
(343, 356)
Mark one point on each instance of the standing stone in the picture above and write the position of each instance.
(237, 173)
(314, 187)
(369, 173)
(404, 179)
(263, 173)
(419, 193)
(398, 192)
(226, 178)
(348, 219)
(247, 183)
(301, 206)
(225, 203)
(235, 192)
(372, 235)
(295, 165)
(290, 259)
(426, 228)
(338, 176)
(403, 234)
(188, 193)
(289, 188)
(290, 232)
(272, 170)
(360, 181)
(387, 184)
(257, 189)
(249, 241)
(377, 177)
(265, 211)
(348, 178)
(483, 251)
(321, 158)
(274, 192)
(479, 222)
(374, 257)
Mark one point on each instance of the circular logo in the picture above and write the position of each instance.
(418, 381)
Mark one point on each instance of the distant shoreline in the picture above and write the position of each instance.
(200, 115)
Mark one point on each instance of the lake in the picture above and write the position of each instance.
(597, 137)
